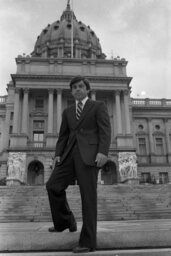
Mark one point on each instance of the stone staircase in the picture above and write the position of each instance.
(119, 202)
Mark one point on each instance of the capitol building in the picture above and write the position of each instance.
(30, 113)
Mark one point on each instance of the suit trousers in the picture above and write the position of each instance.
(62, 175)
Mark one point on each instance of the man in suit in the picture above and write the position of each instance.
(81, 149)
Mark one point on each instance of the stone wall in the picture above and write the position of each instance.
(155, 170)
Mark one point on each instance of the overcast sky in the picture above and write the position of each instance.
(138, 30)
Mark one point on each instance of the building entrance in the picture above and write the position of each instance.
(109, 174)
(35, 175)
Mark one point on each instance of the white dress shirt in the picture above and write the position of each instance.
(83, 102)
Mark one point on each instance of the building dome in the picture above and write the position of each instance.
(61, 40)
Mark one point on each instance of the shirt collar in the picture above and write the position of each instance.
(83, 101)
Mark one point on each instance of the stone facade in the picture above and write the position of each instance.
(30, 115)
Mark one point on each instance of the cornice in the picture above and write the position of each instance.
(29, 59)
(38, 114)
(69, 77)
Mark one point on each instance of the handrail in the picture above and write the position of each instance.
(36, 144)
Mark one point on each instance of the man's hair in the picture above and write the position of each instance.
(77, 79)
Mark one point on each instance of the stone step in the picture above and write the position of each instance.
(119, 202)
(135, 252)
(111, 236)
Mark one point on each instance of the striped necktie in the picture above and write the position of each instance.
(79, 110)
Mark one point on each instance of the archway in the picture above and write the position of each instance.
(109, 174)
(35, 175)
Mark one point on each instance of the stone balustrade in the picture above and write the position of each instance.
(36, 144)
(150, 102)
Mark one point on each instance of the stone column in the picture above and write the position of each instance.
(127, 114)
(118, 112)
(93, 95)
(5, 138)
(60, 52)
(16, 110)
(50, 112)
(59, 109)
(24, 127)
(167, 136)
(151, 141)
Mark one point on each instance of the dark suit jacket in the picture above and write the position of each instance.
(92, 132)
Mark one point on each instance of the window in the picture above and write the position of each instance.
(69, 25)
(38, 138)
(11, 115)
(145, 177)
(157, 127)
(142, 146)
(82, 28)
(141, 127)
(163, 177)
(56, 27)
(159, 146)
(39, 103)
(10, 129)
(38, 124)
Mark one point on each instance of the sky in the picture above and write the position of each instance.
(137, 30)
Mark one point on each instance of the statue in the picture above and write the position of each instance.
(16, 168)
(127, 166)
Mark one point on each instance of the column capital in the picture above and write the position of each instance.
(117, 92)
(26, 90)
(17, 90)
(51, 91)
(125, 92)
(149, 119)
(165, 119)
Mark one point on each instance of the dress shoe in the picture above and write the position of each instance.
(82, 249)
(72, 228)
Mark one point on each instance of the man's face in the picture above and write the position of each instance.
(79, 90)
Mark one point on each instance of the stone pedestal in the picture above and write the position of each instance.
(18, 141)
(16, 168)
(13, 182)
(51, 141)
(125, 141)
(134, 181)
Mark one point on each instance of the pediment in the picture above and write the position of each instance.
(38, 113)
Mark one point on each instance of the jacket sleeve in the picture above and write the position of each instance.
(63, 136)
(104, 129)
